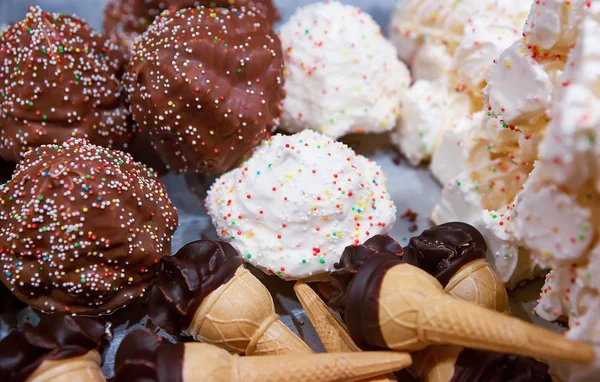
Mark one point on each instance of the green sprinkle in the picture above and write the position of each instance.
(249, 256)
(40, 197)
(303, 261)
(322, 261)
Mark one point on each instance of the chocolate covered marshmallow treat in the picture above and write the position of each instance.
(206, 84)
(59, 79)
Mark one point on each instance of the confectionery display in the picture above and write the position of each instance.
(533, 194)
(142, 353)
(440, 363)
(204, 291)
(293, 207)
(298, 144)
(59, 348)
(59, 79)
(125, 20)
(390, 304)
(207, 85)
(342, 75)
(82, 228)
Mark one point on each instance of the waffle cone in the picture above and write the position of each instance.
(82, 368)
(203, 362)
(436, 363)
(240, 317)
(477, 282)
(331, 330)
(415, 312)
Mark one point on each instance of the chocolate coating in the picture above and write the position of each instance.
(82, 228)
(8, 302)
(441, 251)
(145, 357)
(484, 366)
(358, 283)
(207, 85)
(54, 338)
(186, 278)
(125, 20)
(59, 79)
(6, 170)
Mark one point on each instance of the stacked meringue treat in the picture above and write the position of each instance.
(312, 137)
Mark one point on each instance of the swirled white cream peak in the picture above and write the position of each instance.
(294, 206)
(342, 75)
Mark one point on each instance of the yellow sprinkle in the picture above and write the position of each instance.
(170, 103)
(85, 209)
(289, 176)
(130, 279)
(212, 132)
(507, 64)
(200, 65)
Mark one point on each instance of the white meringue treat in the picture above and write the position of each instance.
(341, 74)
(294, 206)
(452, 45)
(427, 109)
(419, 24)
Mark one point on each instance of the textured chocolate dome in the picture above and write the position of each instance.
(207, 85)
(125, 20)
(82, 228)
(59, 79)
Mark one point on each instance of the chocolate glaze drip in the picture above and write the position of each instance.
(56, 337)
(358, 282)
(186, 278)
(484, 366)
(441, 251)
(145, 357)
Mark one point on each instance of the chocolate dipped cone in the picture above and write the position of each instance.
(58, 349)
(445, 363)
(331, 330)
(390, 304)
(82, 368)
(143, 353)
(454, 253)
(205, 292)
